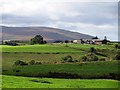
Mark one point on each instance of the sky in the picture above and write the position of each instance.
(93, 17)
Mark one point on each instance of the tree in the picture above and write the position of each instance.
(105, 41)
(92, 50)
(105, 38)
(95, 37)
(38, 39)
(66, 41)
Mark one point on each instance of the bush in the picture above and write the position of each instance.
(102, 59)
(117, 57)
(32, 62)
(90, 57)
(67, 58)
(93, 50)
(76, 61)
(84, 58)
(117, 46)
(19, 62)
(38, 63)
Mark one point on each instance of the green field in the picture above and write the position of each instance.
(54, 52)
(52, 48)
(50, 55)
(50, 58)
(84, 70)
(26, 82)
(38, 48)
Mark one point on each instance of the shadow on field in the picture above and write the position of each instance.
(41, 81)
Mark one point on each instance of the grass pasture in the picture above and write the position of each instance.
(85, 70)
(88, 46)
(53, 48)
(39, 48)
(27, 82)
(50, 58)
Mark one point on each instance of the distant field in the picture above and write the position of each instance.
(38, 48)
(53, 48)
(27, 82)
(88, 46)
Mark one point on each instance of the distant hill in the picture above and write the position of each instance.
(25, 33)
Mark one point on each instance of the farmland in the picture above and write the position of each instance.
(53, 70)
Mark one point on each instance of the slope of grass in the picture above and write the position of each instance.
(27, 82)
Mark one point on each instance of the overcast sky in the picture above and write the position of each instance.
(93, 17)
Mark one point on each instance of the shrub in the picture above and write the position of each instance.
(76, 61)
(32, 62)
(92, 49)
(117, 57)
(19, 62)
(90, 57)
(38, 63)
(55, 62)
(67, 58)
(102, 59)
(84, 58)
(117, 46)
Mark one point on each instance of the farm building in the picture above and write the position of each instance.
(91, 41)
(97, 41)
(77, 41)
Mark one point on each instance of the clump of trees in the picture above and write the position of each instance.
(38, 39)
(58, 41)
(90, 57)
(11, 43)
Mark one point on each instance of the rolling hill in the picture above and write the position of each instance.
(25, 33)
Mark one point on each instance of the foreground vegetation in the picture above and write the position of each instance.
(27, 82)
